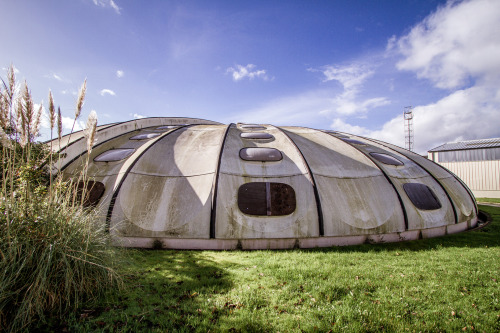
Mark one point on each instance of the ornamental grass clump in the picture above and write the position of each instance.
(53, 255)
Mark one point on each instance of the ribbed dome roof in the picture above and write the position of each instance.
(198, 184)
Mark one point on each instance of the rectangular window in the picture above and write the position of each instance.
(266, 199)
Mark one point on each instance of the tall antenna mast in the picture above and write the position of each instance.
(408, 116)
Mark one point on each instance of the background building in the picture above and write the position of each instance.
(476, 162)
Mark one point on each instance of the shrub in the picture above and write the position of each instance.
(53, 255)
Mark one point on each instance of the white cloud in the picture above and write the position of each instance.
(107, 92)
(106, 4)
(241, 72)
(55, 77)
(351, 77)
(120, 73)
(67, 123)
(290, 110)
(308, 107)
(138, 116)
(466, 114)
(460, 42)
(456, 48)
(341, 126)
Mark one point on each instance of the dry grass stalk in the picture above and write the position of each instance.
(28, 110)
(4, 111)
(21, 121)
(11, 77)
(81, 98)
(79, 106)
(52, 112)
(35, 126)
(59, 124)
(4, 138)
(90, 130)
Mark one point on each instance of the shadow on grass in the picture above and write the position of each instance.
(169, 292)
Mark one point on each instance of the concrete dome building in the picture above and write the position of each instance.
(198, 184)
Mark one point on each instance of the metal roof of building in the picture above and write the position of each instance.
(471, 144)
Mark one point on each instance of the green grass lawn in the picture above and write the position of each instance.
(443, 284)
(491, 200)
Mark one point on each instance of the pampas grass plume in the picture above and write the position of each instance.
(52, 111)
(90, 130)
(59, 123)
(81, 98)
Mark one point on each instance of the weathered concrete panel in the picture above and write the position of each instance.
(329, 156)
(152, 206)
(359, 206)
(168, 192)
(464, 205)
(186, 152)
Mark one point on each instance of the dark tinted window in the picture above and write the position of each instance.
(356, 142)
(92, 190)
(266, 199)
(386, 159)
(256, 135)
(260, 154)
(166, 127)
(422, 196)
(253, 127)
(338, 135)
(145, 136)
(113, 155)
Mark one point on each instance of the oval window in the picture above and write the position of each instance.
(253, 127)
(92, 192)
(422, 196)
(256, 135)
(386, 159)
(356, 142)
(167, 127)
(338, 135)
(266, 199)
(260, 154)
(145, 136)
(114, 155)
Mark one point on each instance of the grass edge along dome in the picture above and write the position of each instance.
(190, 183)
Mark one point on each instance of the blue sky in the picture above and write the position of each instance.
(345, 65)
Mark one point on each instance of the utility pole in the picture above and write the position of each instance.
(408, 117)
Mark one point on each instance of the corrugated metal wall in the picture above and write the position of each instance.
(482, 177)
